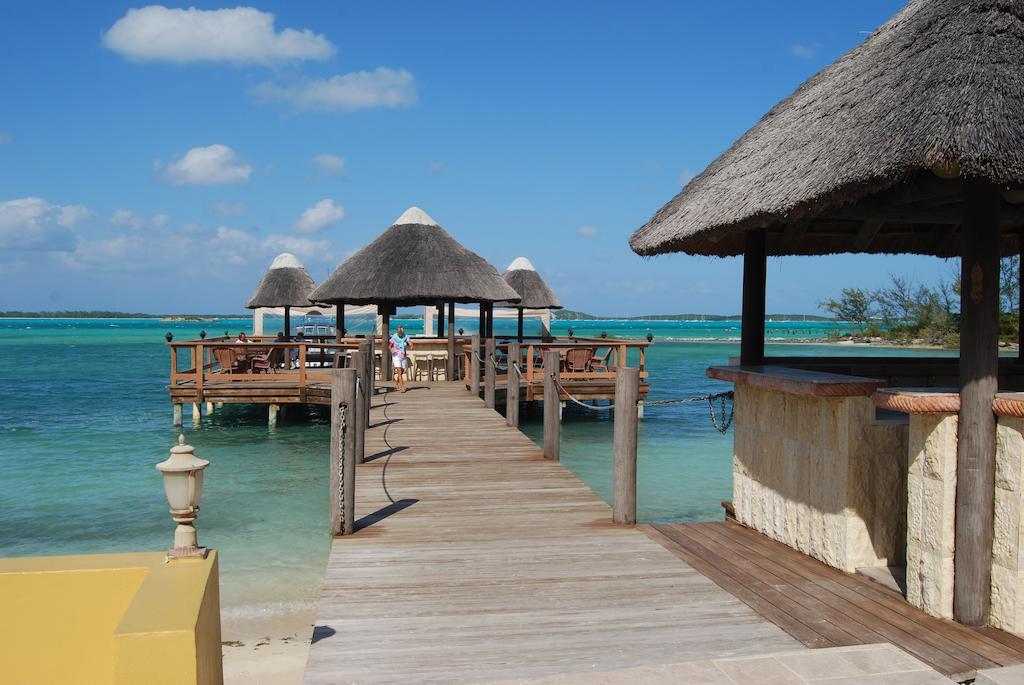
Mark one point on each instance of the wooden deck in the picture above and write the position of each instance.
(492, 563)
(823, 607)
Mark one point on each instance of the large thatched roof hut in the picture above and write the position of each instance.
(415, 261)
(858, 158)
(534, 293)
(286, 284)
(913, 142)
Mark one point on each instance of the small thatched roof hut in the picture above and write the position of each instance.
(534, 293)
(286, 284)
(415, 261)
(936, 89)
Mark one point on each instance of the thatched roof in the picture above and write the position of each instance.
(415, 261)
(851, 161)
(286, 284)
(534, 293)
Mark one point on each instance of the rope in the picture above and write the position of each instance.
(573, 399)
(342, 429)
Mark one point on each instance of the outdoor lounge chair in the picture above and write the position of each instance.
(267, 361)
(578, 359)
(600, 361)
(228, 360)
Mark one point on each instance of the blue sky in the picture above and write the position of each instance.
(153, 159)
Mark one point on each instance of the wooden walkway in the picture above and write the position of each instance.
(493, 563)
(824, 607)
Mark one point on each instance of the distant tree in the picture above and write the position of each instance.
(854, 305)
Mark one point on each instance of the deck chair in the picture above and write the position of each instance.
(600, 361)
(578, 359)
(228, 360)
(268, 361)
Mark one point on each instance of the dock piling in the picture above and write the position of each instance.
(474, 366)
(273, 412)
(489, 373)
(343, 451)
(627, 394)
(362, 399)
(512, 388)
(176, 419)
(197, 412)
(552, 406)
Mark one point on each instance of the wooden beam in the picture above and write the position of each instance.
(979, 368)
(867, 233)
(794, 234)
(940, 236)
(755, 266)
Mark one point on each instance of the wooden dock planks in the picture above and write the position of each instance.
(493, 563)
(823, 607)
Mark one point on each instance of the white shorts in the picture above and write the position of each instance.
(399, 362)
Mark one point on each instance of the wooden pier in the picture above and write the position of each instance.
(493, 563)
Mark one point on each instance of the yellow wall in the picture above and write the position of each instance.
(110, 618)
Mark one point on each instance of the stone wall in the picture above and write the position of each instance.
(821, 475)
(1007, 563)
(931, 502)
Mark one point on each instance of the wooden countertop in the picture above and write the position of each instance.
(797, 381)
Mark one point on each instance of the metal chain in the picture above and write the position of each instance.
(723, 425)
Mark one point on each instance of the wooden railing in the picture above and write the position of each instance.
(609, 355)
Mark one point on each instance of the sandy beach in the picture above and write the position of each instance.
(267, 651)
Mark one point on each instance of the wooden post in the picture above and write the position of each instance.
(490, 373)
(512, 388)
(371, 359)
(976, 432)
(552, 406)
(359, 365)
(519, 324)
(272, 414)
(343, 452)
(450, 365)
(287, 322)
(339, 321)
(627, 393)
(755, 265)
(176, 417)
(385, 332)
(440, 319)
(490, 319)
(474, 366)
(481, 326)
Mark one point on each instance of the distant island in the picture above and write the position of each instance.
(570, 315)
(103, 314)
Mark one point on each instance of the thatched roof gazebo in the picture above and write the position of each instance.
(913, 142)
(415, 261)
(286, 284)
(534, 293)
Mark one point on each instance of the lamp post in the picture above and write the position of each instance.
(183, 484)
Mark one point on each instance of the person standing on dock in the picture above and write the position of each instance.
(400, 360)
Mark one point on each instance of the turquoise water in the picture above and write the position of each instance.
(85, 416)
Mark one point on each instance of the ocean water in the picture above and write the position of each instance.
(85, 417)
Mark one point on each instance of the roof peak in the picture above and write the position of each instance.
(286, 260)
(520, 264)
(415, 215)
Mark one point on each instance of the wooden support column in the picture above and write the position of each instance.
(343, 451)
(176, 417)
(451, 364)
(490, 374)
(512, 388)
(474, 365)
(287, 322)
(519, 324)
(385, 330)
(976, 432)
(627, 394)
(273, 412)
(490, 319)
(440, 319)
(359, 365)
(755, 266)
(552, 406)
(339, 321)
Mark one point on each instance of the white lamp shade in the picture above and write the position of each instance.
(177, 486)
(183, 477)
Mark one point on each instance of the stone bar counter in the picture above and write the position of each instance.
(1007, 610)
(813, 468)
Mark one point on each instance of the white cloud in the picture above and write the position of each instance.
(224, 208)
(383, 87)
(803, 51)
(318, 217)
(685, 176)
(329, 164)
(587, 231)
(208, 166)
(33, 224)
(6, 138)
(126, 218)
(241, 35)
